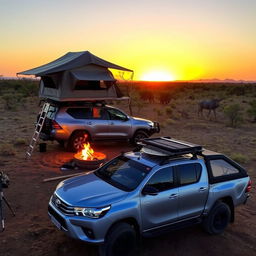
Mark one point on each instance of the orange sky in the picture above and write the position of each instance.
(186, 39)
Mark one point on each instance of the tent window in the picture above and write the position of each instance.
(88, 85)
(48, 82)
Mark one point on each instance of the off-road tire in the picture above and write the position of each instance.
(120, 240)
(218, 219)
(139, 135)
(77, 140)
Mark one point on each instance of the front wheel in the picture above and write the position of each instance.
(121, 240)
(138, 136)
(218, 219)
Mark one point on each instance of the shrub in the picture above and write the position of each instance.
(10, 101)
(159, 112)
(20, 141)
(233, 113)
(252, 110)
(240, 158)
(168, 111)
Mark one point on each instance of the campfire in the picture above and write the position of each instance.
(88, 158)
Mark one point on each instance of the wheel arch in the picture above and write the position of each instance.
(229, 201)
(80, 130)
(141, 130)
(131, 221)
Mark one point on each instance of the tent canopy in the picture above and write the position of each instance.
(71, 60)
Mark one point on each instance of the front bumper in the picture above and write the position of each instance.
(155, 128)
(81, 228)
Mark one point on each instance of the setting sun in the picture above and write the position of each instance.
(157, 76)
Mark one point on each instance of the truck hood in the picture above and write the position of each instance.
(141, 120)
(89, 191)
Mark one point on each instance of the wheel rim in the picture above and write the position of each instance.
(124, 245)
(79, 142)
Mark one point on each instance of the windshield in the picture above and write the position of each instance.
(123, 173)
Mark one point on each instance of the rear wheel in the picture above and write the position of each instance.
(77, 141)
(218, 219)
(121, 240)
(138, 136)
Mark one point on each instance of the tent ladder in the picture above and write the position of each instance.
(38, 128)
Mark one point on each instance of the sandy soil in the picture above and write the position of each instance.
(32, 233)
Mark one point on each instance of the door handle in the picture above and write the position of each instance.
(90, 123)
(173, 196)
(202, 189)
(111, 123)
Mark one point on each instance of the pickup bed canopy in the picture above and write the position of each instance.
(77, 76)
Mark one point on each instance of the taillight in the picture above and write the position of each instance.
(249, 187)
(55, 125)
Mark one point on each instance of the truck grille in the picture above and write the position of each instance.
(63, 207)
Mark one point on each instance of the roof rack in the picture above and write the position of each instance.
(166, 146)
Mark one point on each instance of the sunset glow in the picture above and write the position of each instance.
(157, 76)
(160, 40)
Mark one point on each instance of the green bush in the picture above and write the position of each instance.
(233, 113)
(240, 158)
(20, 141)
(252, 110)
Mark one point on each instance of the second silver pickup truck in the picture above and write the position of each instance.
(164, 185)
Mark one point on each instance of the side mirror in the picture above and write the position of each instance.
(149, 190)
(126, 118)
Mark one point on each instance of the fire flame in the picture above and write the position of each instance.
(88, 153)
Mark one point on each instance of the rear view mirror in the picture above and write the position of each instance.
(149, 190)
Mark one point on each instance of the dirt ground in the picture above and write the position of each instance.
(30, 232)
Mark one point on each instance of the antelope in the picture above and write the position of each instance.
(211, 105)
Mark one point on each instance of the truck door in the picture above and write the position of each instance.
(99, 123)
(161, 208)
(119, 124)
(193, 190)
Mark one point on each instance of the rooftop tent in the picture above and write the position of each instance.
(77, 76)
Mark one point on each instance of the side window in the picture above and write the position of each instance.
(222, 168)
(189, 173)
(116, 115)
(49, 82)
(80, 113)
(162, 180)
(51, 112)
(99, 113)
(87, 85)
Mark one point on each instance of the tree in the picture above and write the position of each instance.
(233, 113)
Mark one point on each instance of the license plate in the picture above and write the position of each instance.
(55, 222)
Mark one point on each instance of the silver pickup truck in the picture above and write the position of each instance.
(165, 184)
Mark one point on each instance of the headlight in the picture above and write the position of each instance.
(91, 212)
(60, 185)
